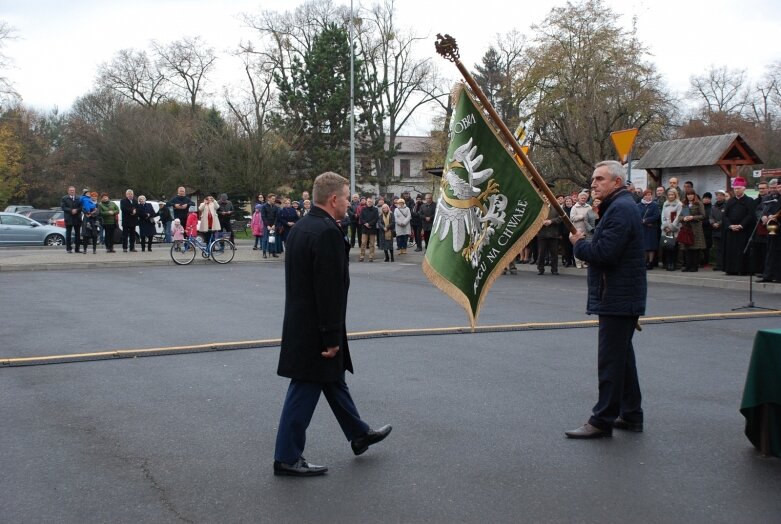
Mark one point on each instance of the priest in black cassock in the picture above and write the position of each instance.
(737, 225)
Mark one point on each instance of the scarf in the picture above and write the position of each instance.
(386, 221)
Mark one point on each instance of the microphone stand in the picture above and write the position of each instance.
(749, 250)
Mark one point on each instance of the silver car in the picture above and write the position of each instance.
(16, 230)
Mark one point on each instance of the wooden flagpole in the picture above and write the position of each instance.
(447, 47)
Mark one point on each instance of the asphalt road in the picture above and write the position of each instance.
(478, 419)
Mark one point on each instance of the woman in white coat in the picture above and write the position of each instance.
(579, 217)
(402, 215)
(210, 220)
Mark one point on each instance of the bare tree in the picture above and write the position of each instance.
(772, 81)
(186, 63)
(134, 76)
(588, 78)
(249, 107)
(7, 90)
(290, 34)
(398, 83)
(721, 90)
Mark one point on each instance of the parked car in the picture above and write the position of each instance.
(17, 209)
(17, 230)
(45, 216)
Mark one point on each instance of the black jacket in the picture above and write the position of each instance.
(551, 231)
(268, 213)
(369, 216)
(182, 213)
(317, 280)
(146, 219)
(68, 204)
(427, 211)
(129, 219)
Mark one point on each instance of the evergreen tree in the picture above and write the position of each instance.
(315, 103)
(490, 77)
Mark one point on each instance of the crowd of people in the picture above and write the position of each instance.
(391, 227)
(88, 221)
(682, 230)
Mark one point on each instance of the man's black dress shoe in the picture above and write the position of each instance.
(636, 427)
(588, 431)
(301, 468)
(361, 444)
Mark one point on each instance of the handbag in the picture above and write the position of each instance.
(668, 242)
(686, 236)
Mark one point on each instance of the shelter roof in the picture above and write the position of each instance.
(702, 151)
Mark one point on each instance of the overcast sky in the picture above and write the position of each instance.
(61, 42)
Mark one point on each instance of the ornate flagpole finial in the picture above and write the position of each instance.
(447, 47)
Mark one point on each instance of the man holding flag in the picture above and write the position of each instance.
(617, 293)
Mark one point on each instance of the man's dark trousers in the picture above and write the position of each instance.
(70, 229)
(353, 230)
(128, 237)
(619, 389)
(300, 403)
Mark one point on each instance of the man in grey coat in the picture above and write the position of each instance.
(314, 352)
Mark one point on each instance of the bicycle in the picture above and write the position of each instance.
(221, 250)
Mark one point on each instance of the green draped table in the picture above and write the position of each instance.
(761, 404)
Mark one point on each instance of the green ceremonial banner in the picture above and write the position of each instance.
(487, 211)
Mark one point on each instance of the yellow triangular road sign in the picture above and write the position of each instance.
(623, 141)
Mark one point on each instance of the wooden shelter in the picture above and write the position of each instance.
(710, 162)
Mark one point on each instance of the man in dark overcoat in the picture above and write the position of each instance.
(548, 242)
(128, 207)
(314, 352)
(427, 212)
(71, 208)
(268, 214)
(617, 290)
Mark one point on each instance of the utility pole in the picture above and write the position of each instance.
(352, 105)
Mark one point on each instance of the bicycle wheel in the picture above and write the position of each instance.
(222, 250)
(182, 252)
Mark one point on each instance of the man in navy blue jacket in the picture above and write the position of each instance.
(616, 292)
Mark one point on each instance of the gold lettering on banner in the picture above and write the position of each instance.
(504, 238)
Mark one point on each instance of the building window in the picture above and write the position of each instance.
(404, 168)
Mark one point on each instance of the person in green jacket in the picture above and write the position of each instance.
(108, 214)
